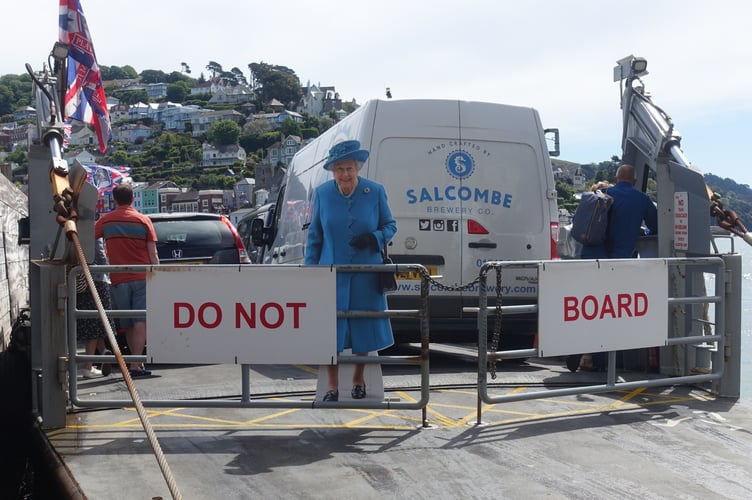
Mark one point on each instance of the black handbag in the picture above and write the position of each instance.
(387, 280)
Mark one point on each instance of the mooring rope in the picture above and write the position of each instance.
(142, 415)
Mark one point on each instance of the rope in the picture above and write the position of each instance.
(142, 415)
(727, 219)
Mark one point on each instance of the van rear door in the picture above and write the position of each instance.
(464, 195)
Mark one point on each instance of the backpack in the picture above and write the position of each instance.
(590, 221)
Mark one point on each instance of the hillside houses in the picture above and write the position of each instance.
(136, 125)
(281, 152)
(17, 134)
(238, 94)
(81, 135)
(155, 197)
(224, 155)
(319, 101)
(165, 196)
(201, 121)
(131, 133)
(278, 118)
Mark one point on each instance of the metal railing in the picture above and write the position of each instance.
(714, 265)
(245, 401)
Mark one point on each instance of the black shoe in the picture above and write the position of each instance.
(106, 367)
(573, 362)
(139, 373)
(331, 396)
(358, 391)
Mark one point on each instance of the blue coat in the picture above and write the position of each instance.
(630, 209)
(336, 220)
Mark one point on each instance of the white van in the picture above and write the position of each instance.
(467, 182)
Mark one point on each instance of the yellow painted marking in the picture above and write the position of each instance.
(274, 415)
(357, 421)
(308, 369)
(625, 401)
(628, 396)
(444, 420)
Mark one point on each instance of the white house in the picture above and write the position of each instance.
(222, 155)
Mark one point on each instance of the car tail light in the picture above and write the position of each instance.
(475, 227)
(242, 253)
(554, 239)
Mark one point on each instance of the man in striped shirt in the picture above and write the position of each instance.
(130, 239)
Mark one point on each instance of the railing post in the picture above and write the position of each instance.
(729, 286)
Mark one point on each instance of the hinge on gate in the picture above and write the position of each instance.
(728, 279)
(62, 296)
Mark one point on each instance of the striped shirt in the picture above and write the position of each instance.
(126, 231)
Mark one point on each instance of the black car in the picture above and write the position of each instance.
(197, 238)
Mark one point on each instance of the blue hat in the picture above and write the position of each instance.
(346, 150)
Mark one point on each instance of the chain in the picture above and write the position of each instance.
(497, 314)
(497, 325)
(447, 288)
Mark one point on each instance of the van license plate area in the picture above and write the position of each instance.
(414, 275)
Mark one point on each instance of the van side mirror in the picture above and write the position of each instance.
(258, 235)
(552, 135)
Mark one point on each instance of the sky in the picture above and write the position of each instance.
(556, 56)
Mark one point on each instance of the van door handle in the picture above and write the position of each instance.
(474, 244)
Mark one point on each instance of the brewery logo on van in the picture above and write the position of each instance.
(460, 164)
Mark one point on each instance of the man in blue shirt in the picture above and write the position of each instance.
(630, 209)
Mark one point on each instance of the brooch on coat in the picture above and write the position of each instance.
(367, 190)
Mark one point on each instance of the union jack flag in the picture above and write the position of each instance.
(84, 99)
(105, 178)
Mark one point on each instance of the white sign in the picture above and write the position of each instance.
(681, 221)
(241, 314)
(608, 305)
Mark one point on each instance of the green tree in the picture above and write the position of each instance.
(229, 78)
(310, 121)
(19, 156)
(131, 96)
(177, 76)
(309, 132)
(239, 76)
(215, 68)
(325, 123)
(275, 82)
(153, 76)
(119, 157)
(258, 141)
(223, 132)
(178, 91)
(19, 86)
(7, 100)
(565, 196)
(290, 127)
(118, 72)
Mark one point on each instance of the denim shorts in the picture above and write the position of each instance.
(129, 295)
